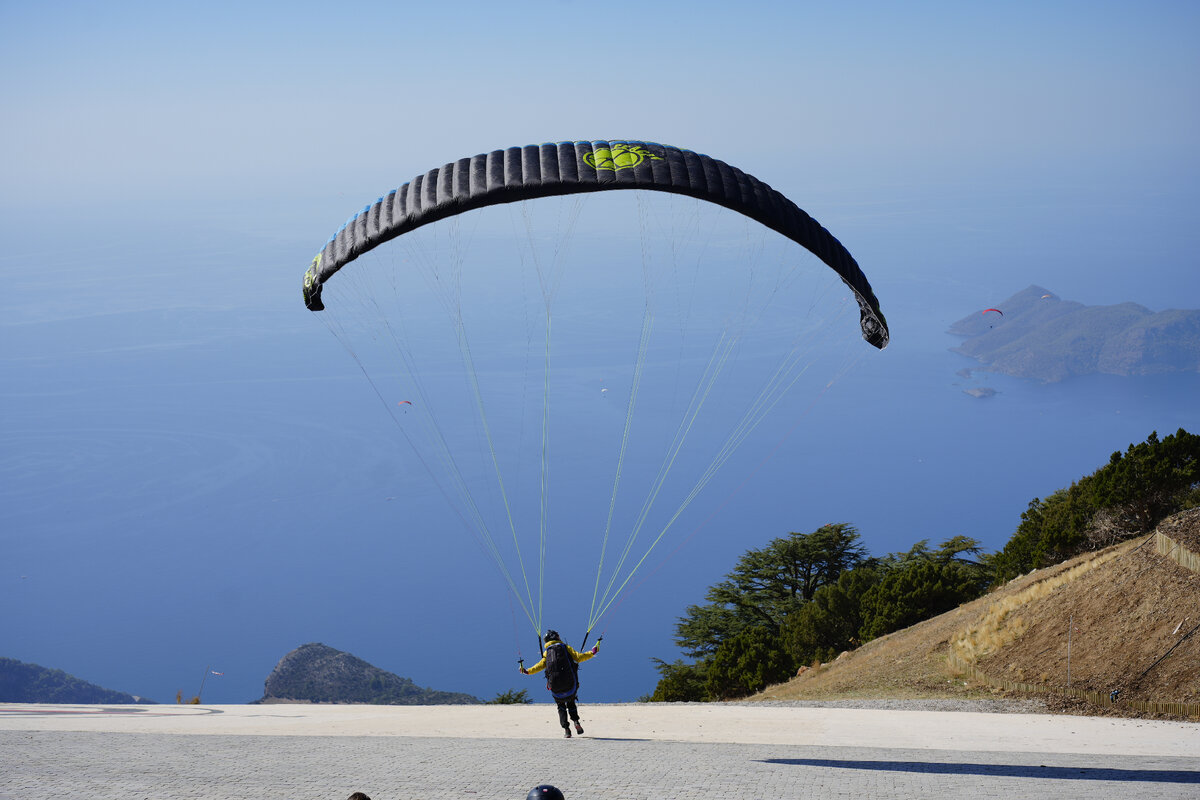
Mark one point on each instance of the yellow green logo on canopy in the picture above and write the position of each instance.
(619, 155)
(310, 277)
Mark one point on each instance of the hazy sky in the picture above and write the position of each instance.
(170, 170)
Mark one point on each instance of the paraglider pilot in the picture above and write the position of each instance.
(561, 662)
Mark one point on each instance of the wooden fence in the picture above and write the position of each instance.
(1167, 547)
(1095, 697)
(1176, 552)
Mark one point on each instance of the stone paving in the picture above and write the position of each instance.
(90, 766)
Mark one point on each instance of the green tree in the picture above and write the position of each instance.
(747, 663)
(767, 585)
(736, 636)
(1127, 497)
(511, 697)
(1151, 480)
(700, 631)
(830, 623)
(680, 682)
(922, 584)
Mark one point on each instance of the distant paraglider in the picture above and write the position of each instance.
(998, 311)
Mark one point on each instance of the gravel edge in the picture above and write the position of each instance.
(995, 706)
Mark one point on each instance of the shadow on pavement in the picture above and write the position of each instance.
(1001, 770)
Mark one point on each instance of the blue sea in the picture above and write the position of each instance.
(196, 474)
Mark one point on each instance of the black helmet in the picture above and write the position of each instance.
(552, 636)
(545, 791)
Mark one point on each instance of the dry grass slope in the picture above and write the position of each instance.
(1128, 606)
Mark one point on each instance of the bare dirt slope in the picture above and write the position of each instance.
(1129, 606)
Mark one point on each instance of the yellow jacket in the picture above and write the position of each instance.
(575, 654)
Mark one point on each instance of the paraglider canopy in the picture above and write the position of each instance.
(524, 173)
(695, 316)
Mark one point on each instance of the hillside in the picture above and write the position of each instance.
(315, 673)
(31, 683)
(1039, 335)
(1129, 606)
